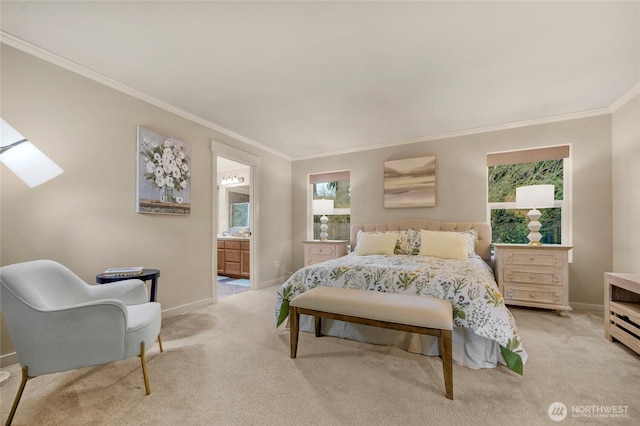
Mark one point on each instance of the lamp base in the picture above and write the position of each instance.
(534, 226)
(324, 228)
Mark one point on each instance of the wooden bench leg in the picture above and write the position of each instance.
(447, 361)
(294, 325)
(318, 322)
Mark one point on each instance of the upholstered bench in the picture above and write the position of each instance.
(415, 314)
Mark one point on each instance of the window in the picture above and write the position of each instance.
(335, 187)
(508, 170)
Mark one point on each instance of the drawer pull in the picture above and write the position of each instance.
(532, 277)
(532, 295)
(532, 258)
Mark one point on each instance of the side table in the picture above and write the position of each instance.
(622, 309)
(146, 275)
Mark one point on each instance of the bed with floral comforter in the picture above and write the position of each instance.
(478, 305)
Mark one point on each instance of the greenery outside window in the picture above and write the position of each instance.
(510, 170)
(333, 186)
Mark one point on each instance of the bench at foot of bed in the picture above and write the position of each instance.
(415, 314)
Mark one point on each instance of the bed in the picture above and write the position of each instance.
(447, 260)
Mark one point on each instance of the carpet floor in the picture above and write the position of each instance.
(227, 364)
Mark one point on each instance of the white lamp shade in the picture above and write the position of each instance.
(534, 196)
(24, 159)
(322, 207)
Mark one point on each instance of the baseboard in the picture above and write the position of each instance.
(8, 359)
(265, 284)
(586, 307)
(171, 312)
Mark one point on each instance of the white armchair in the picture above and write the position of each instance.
(58, 322)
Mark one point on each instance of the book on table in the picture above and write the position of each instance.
(129, 271)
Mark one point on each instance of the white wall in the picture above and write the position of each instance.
(626, 187)
(86, 217)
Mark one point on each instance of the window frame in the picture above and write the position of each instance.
(565, 204)
(311, 180)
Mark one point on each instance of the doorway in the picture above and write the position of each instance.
(234, 226)
(233, 231)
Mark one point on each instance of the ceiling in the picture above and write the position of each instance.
(304, 79)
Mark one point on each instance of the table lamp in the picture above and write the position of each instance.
(534, 197)
(323, 207)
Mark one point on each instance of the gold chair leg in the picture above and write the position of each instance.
(16, 401)
(160, 343)
(144, 369)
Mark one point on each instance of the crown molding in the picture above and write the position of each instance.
(622, 100)
(469, 132)
(48, 56)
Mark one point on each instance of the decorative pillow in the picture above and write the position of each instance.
(472, 238)
(444, 244)
(376, 243)
(408, 242)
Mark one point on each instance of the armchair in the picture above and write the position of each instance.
(58, 322)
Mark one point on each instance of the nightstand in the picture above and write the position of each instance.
(316, 251)
(534, 276)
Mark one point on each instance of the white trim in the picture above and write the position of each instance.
(182, 309)
(506, 126)
(8, 359)
(626, 97)
(583, 307)
(43, 54)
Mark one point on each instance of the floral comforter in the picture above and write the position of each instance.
(468, 284)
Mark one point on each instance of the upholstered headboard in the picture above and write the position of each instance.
(483, 246)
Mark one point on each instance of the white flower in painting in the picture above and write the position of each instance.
(166, 163)
(179, 200)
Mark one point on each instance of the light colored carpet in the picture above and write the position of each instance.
(227, 365)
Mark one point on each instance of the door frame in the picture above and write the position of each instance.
(219, 149)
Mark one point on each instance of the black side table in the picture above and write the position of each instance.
(146, 275)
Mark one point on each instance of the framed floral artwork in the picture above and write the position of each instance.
(164, 174)
(410, 182)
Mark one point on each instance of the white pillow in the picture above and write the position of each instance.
(444, 244)
(383, 243)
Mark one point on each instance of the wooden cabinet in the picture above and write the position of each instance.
(534, 276)
(245, 259)
(220, 257)
(622, 309)
(316, 251)
(234, 258)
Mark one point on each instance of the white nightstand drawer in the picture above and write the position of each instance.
(321, 250)
(544, 276)
(532, 294)
(534, 258)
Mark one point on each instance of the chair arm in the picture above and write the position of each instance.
(129, 292)
(76, 336)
